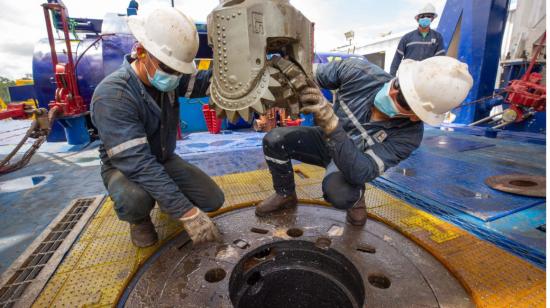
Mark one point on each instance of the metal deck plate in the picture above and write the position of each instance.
(180, 275)
(466, 192)
(524, 227)
(454, 144)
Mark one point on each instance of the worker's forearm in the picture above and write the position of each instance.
(202, 82)
(195, 85)
(357, 167)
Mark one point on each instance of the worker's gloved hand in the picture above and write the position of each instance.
(199, 226)
(313, 101)
(297, 81)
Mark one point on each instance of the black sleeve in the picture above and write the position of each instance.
(195, 85)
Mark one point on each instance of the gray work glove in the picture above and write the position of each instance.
(200, 227)
(313, 101)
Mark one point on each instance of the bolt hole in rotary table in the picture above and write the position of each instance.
(308, 257)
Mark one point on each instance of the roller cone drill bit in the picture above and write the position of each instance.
(242, 34)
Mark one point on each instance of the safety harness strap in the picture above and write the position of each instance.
(356, 123)
(365, 135)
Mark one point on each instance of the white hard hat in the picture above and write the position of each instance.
(428, 9)
(434, 86)
(169, 36)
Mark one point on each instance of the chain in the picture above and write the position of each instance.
(39, 130)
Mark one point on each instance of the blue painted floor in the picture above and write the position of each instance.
(445, 176)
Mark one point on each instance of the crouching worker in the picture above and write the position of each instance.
(136, 112)
(376, 122)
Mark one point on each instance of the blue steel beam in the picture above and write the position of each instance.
(477, 28)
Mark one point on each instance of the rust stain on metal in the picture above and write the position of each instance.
(189, 277)
(519, 184)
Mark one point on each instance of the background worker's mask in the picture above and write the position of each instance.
(424, 22)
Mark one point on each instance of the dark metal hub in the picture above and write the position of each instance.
(519, 184)
(295, 274)
(307, 257)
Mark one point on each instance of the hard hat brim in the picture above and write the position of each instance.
(137, 27)
(435, 15)
(406, 82)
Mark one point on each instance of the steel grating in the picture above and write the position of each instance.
(492, 276)
(30, 268)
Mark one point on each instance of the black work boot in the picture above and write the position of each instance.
(276, 203)
(357, 215)
(143, 234)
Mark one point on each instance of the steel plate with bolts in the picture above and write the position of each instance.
(308, 257)
(519, 184)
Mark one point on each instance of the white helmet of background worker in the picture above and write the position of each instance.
(427, 9)
(168, 35)
(434, 86)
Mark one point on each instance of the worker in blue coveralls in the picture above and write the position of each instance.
(421, 43)
(136, 112)
(375, 123)
(133, 7)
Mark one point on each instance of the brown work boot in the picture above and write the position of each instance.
(276, 203)
(357, 215)
(143, 234)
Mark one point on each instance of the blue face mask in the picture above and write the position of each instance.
(425, 22)
(384, 102)
(163, 81)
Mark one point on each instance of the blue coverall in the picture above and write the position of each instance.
(354, 153)
(417, 47)
(137, 127)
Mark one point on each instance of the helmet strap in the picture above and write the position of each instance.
(145, 66)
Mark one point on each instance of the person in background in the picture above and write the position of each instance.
(421, 43)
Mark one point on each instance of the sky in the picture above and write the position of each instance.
(22, 22)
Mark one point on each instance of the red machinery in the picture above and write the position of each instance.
(15, 111)
(274, 117)
(527, 95)
(67, 101)
(67, 97)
